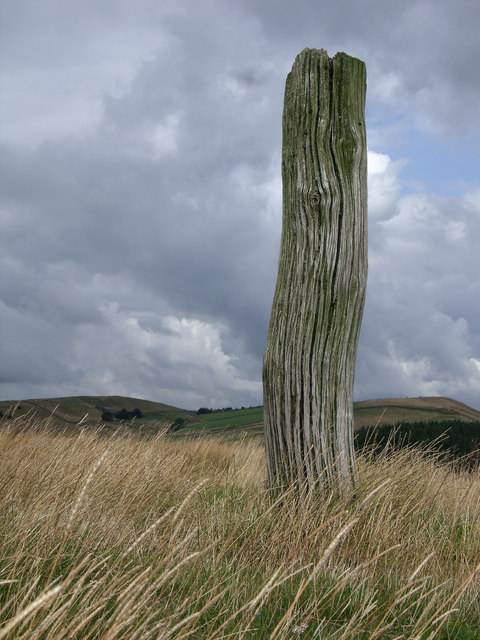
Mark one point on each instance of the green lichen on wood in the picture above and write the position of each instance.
(309, 358)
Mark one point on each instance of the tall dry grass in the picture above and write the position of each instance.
(120, 537)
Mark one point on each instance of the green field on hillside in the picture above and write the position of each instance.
(397, 410)
(67, 413)
(225, 419)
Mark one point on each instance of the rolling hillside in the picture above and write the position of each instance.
(68, 412)
(395, 410)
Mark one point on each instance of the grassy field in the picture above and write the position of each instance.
(73, 409)
(395, 410)
(236, 418)
(156, 416)
(115, 536)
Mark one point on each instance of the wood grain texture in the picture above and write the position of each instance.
(309, 360)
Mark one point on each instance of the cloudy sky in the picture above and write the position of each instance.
(140, 211)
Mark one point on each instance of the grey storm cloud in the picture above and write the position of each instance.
(141, 195)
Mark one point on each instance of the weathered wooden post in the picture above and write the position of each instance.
(309, 359)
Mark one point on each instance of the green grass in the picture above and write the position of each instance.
(235, 418)
(156, 416)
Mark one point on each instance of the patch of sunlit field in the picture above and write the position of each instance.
(115, 536)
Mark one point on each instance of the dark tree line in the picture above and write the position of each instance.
(122, 414)
(10, 415)
(454, 439)
(204, 410)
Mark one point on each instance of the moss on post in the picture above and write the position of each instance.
(309, 358)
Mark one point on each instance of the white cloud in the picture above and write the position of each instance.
(141, 194)
(472, 200)
(384, 187)
(182, 361)
(164, 136)
(388, 86)
(422, 289)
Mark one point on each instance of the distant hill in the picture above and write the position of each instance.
(395, 410)
(71, 410)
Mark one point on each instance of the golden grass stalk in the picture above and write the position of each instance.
(177, 538)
